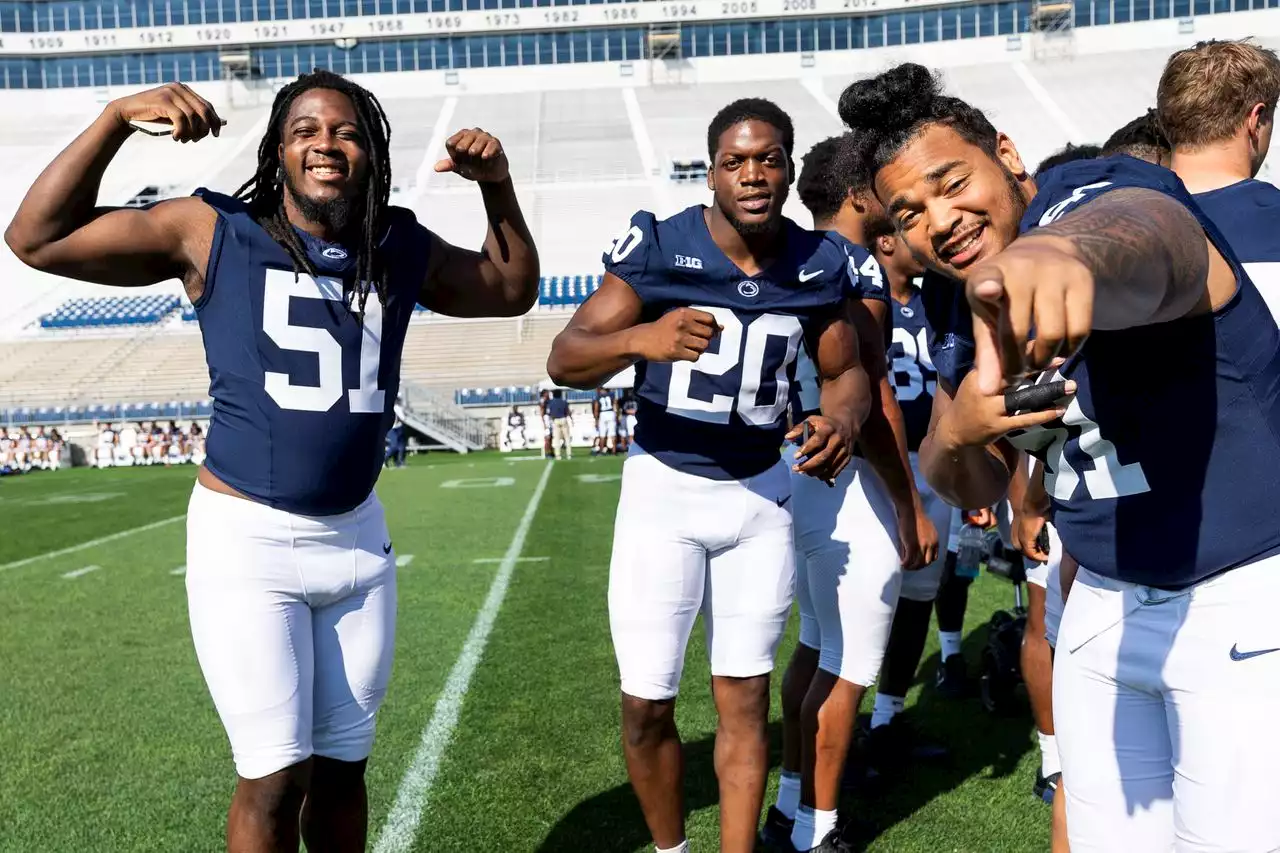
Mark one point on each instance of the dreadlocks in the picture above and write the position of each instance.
(264, 192)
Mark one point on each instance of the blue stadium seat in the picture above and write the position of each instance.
(112, 311)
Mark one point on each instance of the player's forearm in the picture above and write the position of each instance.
(1146, 251)
(846, 399)
(585, 360)
(65, 195)
(509, 246)
(884, 442)
(964, 476)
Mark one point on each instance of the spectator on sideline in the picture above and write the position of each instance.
(558, 411)
(515, 429)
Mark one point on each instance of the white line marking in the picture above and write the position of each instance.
(79, 572)
(1041, 94)
(401, 828)
(181, 570)
(403, 560)
(92, 543)
(518, 560)
(814, 86)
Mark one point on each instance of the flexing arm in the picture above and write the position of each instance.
(59, 229)
(500, 280)
(605, 336)
(1129, 257)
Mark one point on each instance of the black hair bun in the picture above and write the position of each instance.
(891, 101)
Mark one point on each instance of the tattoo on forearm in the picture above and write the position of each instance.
(1134, 237)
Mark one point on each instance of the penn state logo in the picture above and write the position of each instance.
(749, 289)
(334, 253)
(907, 312)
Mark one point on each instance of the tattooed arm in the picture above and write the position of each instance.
(1129, 257)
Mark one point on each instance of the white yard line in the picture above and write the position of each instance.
(92, 543)
(503, 559)
(180, 571)
(401, 828)
(403, 560)
(1042, 96)
(79, 573)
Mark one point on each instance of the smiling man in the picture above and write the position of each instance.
(304, 284)
(711, 306)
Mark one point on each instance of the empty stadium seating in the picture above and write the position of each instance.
(174, 410)
(512, 395)
(112, 311)
(566, 290)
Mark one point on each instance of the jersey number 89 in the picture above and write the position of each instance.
(738, 344)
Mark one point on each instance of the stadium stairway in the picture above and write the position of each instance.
(441, 419)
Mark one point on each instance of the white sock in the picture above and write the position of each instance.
(789, 794)
(886, 708)
(1049, 761)
(812, 825)
(950, 641)
(682, 847)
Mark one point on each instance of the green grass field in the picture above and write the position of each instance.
(109, 742)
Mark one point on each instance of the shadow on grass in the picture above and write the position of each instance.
(980, 744)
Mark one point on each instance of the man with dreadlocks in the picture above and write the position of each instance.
(290, 572)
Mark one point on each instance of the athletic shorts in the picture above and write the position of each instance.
(848, 571)
(1165, 705)
(684, 545)
(293, 619)
(923, 585)
(608, 425)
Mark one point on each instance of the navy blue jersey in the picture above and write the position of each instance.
(558, 407)
(1165, 468)
(302, 388)
(950, 324)
(605, 400)
(911, 368)
(723, 417)
(1248, 215)
(866, 282)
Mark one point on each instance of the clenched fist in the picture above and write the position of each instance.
(476, 156)
(193, 118)
(680, 335)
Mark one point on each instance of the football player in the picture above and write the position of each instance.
(1168, 673)
(1141, 138)
(851, 542)
(304, 283)
(604, 409)
(1217, 105)
(712, 306)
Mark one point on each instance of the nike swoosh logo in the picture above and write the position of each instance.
(1236, 654)
(386, 549)
(806, 276)
(782, 501)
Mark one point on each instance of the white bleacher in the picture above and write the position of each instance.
(582, 160)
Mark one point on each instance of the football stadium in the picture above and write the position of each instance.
(500, 727)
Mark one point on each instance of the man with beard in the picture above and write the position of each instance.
(711, 307)
(304, 283)
(1163, 475)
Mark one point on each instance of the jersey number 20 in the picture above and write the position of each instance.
(738, 343)
(281, 287)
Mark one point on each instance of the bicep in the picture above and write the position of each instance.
(613, 307)
(869, 320)
(125, 247)
(836, 348)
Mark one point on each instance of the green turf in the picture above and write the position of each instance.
(110, 741)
